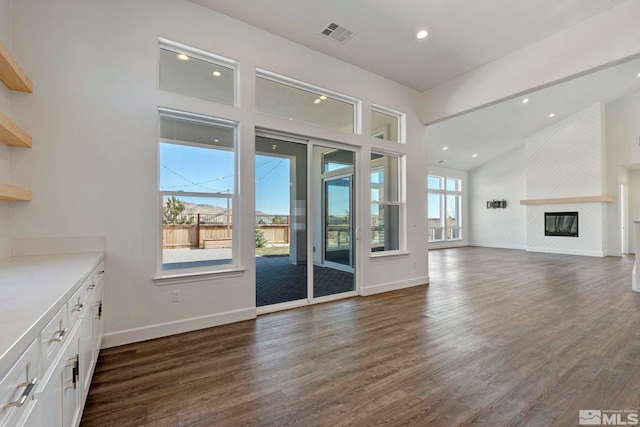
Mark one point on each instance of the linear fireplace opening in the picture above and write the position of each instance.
(561, 224)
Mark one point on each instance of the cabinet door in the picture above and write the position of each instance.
(31, 417)
(96, 319)
(72, 384)
(50, 395)
(87, 360)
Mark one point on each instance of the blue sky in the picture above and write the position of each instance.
(272, 185)
(195, 169)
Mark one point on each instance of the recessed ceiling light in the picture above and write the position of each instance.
(217, 73)
(552, 115)
(182, 57)
(524, 101)
(216, 140)
(422, 34)
(474, 156)
(445, 148)
(317, 101)
(323, 97)
(638, 75)
(290, 118)
(274, 146)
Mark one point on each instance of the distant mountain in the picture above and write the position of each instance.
(193, 208)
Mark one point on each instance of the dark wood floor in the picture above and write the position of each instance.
(499, 338)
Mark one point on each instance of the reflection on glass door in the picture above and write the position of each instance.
(333, 174)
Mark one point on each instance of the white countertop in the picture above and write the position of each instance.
(32, 290)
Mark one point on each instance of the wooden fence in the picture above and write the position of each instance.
(180, 236)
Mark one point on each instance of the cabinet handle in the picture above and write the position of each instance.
(74, 363)
(91, 287)
(25, 394)
(77, 307)
(101, 272)
(60, 335)
(98, 305)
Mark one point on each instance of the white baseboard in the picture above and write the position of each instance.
(482, 245)
(393, 286)
(453, 244)
(567, 252)
(128, 336)
(613, 253)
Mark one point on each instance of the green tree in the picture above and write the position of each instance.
(172, 210)
(277, 220)
(261, 241)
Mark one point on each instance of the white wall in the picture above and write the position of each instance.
(5, 38)
(623, 152)
(610, 37)
(567, 159)
(501, 178)
(93, 116)
(464, 176)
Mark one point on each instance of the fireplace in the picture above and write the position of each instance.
(561, 224)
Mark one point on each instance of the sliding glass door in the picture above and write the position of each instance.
(305, 196)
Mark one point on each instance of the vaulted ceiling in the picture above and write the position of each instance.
(463, 35)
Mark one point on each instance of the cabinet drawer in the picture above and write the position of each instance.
(17, 387)
(53, 336)
(98, 274)
(77, 303)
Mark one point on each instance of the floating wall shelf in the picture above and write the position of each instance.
(14, 194)
(589, 199)
(12, 134)
(11, 74)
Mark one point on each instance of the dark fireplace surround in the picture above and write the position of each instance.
(561, 224)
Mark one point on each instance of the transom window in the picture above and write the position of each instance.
(304, 102)
(197, 73)
(387, 124)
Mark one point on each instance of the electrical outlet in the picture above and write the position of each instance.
(175, 296)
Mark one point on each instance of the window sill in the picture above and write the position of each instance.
(200, 276)
(375, 256)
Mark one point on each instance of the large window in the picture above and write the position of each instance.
(386, 203)
(444, 208)
(197, 191)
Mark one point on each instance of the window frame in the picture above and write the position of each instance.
(400, 116)
(400, 202)
(202, 55)
(173, 276)
(442, 194)
(318, 90)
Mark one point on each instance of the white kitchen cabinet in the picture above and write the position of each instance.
(31, 415)
(17, 386)
(47, 384)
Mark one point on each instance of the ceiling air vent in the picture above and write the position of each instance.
(337, 32)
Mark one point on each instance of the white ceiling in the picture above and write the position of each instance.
(464, 34)
(498, 129)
